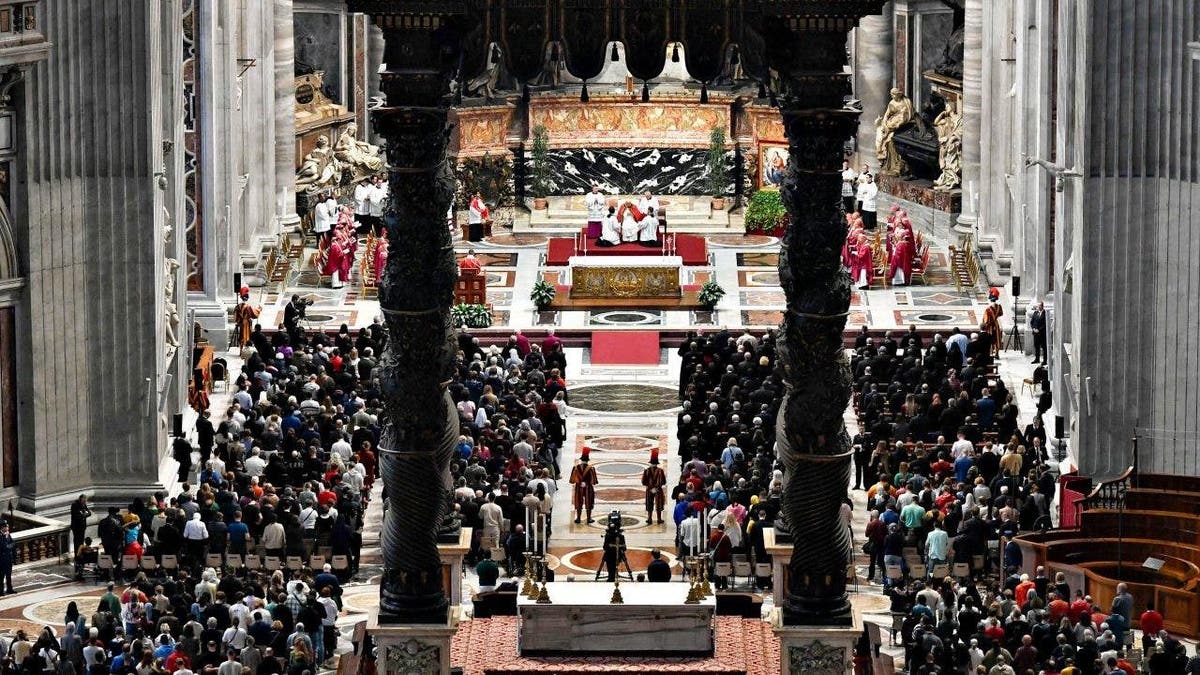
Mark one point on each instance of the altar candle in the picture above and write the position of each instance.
(528, 543)
(536, 530)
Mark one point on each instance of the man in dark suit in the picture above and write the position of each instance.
(658, 570)
(80, 513)
(205, 434)
(1037, 325)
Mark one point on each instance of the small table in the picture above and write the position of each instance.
(610, 276)
(652, 620)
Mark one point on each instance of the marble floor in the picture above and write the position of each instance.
(745, 266)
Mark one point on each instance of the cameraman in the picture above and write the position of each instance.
(292, 314)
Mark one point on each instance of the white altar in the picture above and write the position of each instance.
(605, 276)
(581, 619)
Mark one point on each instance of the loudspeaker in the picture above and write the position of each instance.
(1060, 424)
(237, 283)
(1016, 286)
(177, 425)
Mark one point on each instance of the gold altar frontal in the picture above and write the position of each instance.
(625, 277)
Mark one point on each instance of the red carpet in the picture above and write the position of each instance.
(626, 348)
(693, 249)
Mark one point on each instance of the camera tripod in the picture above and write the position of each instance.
(1015, 341)
(618, 545)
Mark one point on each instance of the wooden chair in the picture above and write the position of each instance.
(253, 562)
(940, 571)
(295, 563)
(213, 560)
(170, 562)
(129, 562)
(272, 563)
(233, 561)
(893, 572)
(148, 563)
(316, 563)
(340, 563)
(918, 571)
(743, 568)
(921, 265)
(962, 570)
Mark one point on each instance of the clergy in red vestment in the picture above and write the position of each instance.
(469, 264)
(335, 262)
(901, 259)
(381, 254)
(862, 264)
(583, 480)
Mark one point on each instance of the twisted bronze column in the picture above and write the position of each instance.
(420, 422)
(811, 440)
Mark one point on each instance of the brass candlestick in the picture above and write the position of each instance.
(705, 587)
(616, 596)
(693, 596)
(543, 596)
(527, 589)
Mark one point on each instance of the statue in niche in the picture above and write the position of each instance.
(952, 55)
(732, 72)
(172, 326)
(898, 114)
(319, 168)
(360, 156)
(487, 83)
(949, 126)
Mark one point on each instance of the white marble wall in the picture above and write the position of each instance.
(1129, 333)
(92, 239)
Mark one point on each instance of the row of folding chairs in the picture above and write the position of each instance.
(232, 561)
(740, 566)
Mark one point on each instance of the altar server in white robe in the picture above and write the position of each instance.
(647, 202)
(648, 228)
(324, 215)
(595, 202)
(610, 229)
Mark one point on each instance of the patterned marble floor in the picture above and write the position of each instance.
(745, 266)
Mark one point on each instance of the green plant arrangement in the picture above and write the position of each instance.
(471, 316)
(542, 294)
(491, 176)
(766, 214)
(717, 181)
(539, 170)
(710, 294)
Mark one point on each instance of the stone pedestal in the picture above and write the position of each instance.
(412, 649)
(452, 565)
(781, 555)
(816, 650)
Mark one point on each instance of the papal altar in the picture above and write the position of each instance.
(625, 277)
(581, 618)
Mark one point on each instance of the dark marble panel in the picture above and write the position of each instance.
(318, 47)
(663, 171)
(624, 398)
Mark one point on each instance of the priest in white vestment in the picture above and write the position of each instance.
(610, 229)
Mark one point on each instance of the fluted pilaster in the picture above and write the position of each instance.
(285, 116)
(874, 71)
(972, 125)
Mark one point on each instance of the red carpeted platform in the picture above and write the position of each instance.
(489, 647)
(626, 348)
(692, 248)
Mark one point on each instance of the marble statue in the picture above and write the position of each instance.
(487, 83)
(319, 168)
(949, 126)
(172, 324)
(361, 157)
(898, 114)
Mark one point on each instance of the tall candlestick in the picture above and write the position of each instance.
(528, 543)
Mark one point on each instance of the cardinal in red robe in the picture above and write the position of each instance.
(901, 259)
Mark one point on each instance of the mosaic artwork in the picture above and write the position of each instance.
(625, 317)
(964, 318)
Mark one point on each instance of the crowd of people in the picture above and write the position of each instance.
(903, 250)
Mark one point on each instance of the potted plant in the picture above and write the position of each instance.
(710, 294)
(471, 316)
(765, 214)
(542, 294)
(539, 184)
(718, 175)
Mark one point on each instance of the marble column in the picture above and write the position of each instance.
(374, 63)
(811, 440)
(873, 73)
(972, 125)
(285, 117)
